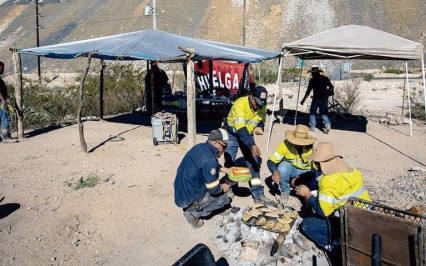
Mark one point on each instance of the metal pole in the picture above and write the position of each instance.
(154, 15)
(409, 98)
(376, 258)
(244, 24)
(38, 41)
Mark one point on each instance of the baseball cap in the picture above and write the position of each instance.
(260, 94)
(219, 135)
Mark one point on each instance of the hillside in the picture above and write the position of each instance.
(269, 23)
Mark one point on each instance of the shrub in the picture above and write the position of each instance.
(43, 106)
(91, 181)
(349, 95)
(368, 77)
(394, 71)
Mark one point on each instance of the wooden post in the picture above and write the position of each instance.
(190, 102)
(16, 57)
(101, 91)
(80, 106)
(403, 101)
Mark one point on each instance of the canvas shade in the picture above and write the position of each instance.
(355, 42)
(152, 45)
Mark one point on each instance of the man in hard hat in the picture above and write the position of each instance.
(197, 186)
(246, 118)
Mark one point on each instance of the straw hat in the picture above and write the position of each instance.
(329, 161)
(300, 136)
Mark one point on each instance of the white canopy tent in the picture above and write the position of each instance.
(357, 42)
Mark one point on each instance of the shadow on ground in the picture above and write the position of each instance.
(347, 122)
(8, 208)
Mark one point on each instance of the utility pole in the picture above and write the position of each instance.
(152, 11)
(154, 15)
(244, 24)
(38, 41)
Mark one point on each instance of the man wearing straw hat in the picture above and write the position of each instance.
(338, 183)
(290, 161)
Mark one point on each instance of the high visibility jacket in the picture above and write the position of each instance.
(335, 189)
(242, 115)
(288, 152)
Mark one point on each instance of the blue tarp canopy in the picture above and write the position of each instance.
(151, 45)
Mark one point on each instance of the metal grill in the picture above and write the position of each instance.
(380, 208)
(402, 233)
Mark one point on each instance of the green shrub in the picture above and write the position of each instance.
(91, 181)
(418, 111)
(394, 71)
(43, 106)
(349, 95)
(368, 77)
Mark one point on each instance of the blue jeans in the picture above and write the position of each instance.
(208, 204)
(323, 109)
(4, 116)
(322, 233)
(252, 163)
(288, 172)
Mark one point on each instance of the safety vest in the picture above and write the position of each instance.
(288, 152)
(242, 115)
(335, 189)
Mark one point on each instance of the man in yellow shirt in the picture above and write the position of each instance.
(290, 161)
(246, 118)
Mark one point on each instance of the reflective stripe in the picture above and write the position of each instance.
(253, 122)
(255, 182)
(278, 156)
(334, 201)
(239, 120)
(212, 184)
(298, 162)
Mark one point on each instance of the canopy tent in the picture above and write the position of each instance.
(150, 45)
(356, 42)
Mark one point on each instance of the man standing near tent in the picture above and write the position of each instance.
(322, 88)
(4, 111)
(247, 117)
(159, 78)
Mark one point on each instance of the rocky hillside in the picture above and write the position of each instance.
(269, 23)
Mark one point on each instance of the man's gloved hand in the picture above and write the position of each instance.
(258, 131)
(255, 151)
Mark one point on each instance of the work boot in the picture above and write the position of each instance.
(7, 139)
(327, 129)
(192, 220)
(312, 129)
(265, 201)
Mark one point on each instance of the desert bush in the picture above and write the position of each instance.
(418, 106)
(349, 95)
(91, 181)
(43, 106)
(368, 77)
(394, 71)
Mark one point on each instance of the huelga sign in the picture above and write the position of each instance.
(225, 75)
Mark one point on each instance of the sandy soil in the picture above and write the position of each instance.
(129, 218)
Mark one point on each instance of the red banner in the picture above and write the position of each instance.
(225, 75)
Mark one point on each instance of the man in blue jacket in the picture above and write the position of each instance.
(198, 189)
